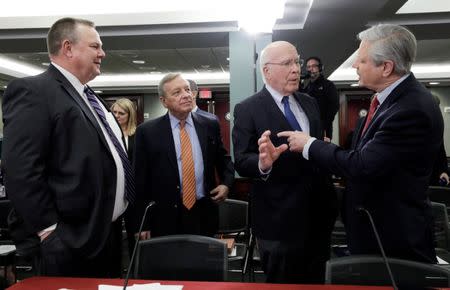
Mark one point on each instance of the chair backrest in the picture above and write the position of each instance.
(5, 208)
(441, 226)
(182, 257)
(440, 194)
(371, 270)
(233, 216)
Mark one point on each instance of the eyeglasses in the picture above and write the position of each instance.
(289, 63)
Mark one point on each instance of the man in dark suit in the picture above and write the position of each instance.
(196, 109)
(63, 172)
(388, 171)
(292, 207)
(166, 175)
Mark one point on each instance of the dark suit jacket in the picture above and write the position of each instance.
(58, 167)
(157, 176)
(388, 172)
(291, 202)
(206, 114)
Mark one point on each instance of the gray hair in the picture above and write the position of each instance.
(64, 28)
(167, 78)
(193, 85)
(391, 42)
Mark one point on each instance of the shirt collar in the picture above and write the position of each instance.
(73, 80)
(382, 96)
(174, 121)
(275, 94)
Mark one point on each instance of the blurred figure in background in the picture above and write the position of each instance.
(324, 91)
(439, 175)
(125, 112)
(196, 109)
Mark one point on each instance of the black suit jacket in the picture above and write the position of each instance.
(294, 199)
(388, 172)
(58, 167)
(157, 176)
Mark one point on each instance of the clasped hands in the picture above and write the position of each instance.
(268, 153)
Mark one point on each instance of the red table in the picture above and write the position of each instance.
(54, 283)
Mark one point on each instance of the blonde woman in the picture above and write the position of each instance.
(125, 112)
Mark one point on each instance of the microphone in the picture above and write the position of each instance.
(152, 203)
(380, 245)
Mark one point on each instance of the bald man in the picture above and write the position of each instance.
(293, 206)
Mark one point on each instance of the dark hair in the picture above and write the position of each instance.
(64, 28)
(316, 58)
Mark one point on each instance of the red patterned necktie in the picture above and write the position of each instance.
(187, 168)
(373, 107)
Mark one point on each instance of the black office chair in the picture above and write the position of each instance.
(233, 224)
(371, 270)
(7, 249)
(440, 194)
(441, 226)
(182, 257)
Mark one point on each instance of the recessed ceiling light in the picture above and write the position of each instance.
(354, 85)
(45, 63)
(139, 61)
(434, 83)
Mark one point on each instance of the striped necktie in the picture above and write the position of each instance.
(130, 194)
(187, 168)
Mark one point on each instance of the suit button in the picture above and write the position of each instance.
(175, 206)
(178, 187)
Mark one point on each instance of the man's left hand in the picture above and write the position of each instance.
(296, 139)
(220, 193)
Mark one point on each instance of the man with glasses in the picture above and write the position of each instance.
(292, 216)
(324, 91)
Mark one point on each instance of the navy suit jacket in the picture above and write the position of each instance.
(387, 173)
(57, 164)
(291, 204)
(157, 176)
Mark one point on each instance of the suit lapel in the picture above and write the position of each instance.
(274, 112)
(391, 98)
(67, 86)
(200, 128)
(306, 107)
(167, 138)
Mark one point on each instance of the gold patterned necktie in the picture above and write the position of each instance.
(187, 168)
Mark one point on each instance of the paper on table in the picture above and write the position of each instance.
(150, 286)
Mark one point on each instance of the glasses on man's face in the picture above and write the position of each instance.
(289, 63)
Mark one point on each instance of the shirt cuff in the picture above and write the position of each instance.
(49, 229)
(305, 152)
(264, 174)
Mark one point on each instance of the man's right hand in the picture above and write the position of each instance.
(268, 153)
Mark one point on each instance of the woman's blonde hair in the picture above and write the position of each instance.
(129, 107)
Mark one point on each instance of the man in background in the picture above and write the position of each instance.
(389, 169)
(65, 166)
(196, 109)
(293, 206)
(176, 157)
(324, 91)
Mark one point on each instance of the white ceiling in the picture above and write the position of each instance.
(196, 47)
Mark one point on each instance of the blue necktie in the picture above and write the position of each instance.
(129, 177)
(289, 115)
